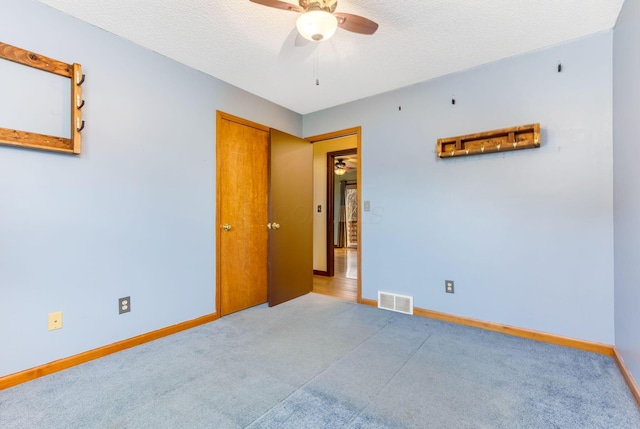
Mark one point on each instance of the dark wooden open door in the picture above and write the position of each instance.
(290, 218)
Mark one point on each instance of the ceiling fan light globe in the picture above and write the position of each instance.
(317, 25)
(340, 167)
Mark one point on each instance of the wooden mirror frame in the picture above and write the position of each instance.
(41, 141)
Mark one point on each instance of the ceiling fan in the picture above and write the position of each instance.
(340, 167)
(319, 22)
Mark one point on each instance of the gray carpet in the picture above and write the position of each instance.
(317, 362)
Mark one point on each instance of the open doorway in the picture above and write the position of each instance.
(337, 230)
(342, 216)
(345, 228)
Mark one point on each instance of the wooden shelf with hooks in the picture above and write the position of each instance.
(502, 140)
(41, 141)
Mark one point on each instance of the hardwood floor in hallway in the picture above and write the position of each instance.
(344, 284)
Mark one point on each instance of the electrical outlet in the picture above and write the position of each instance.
(55, 320)
(448, 286)
(124, 305)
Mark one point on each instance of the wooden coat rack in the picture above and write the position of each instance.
(506, 139)
(42, 141)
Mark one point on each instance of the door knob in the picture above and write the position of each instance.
(273, 225)
(226, 227)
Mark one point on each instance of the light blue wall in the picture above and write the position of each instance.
(626, 157)
(527, 236)
(132, 215)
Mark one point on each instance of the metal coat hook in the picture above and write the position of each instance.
(81, 105)
(81, 81)
(81, 127)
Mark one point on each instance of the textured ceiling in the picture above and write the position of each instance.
(252, 46)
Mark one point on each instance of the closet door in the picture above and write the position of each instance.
(242, 172)
(264, 215)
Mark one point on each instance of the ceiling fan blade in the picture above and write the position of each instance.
(355, 23)
(279, 5)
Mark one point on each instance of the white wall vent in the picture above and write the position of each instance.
(395, 302)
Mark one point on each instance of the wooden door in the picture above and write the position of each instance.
(242, 155)
(291, 218)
